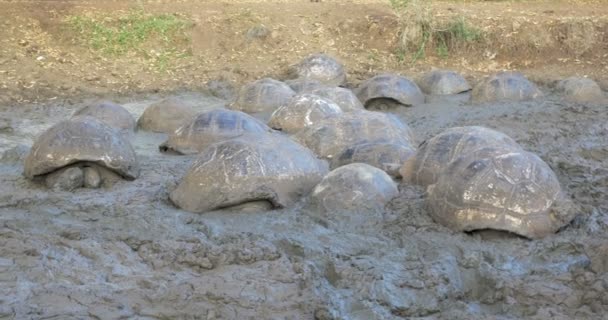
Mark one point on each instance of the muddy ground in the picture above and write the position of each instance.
(126, 252)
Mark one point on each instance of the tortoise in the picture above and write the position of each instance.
(211, 127)
(580, 90)
(319, 67)
(505, 86)
(301, 85)
(343, 97)
(351, 197)
(251, 168)
(498, 189)
(166, 116)
(112, 114)
(443, 82)
(264, 95)
(302, 111)
(81, 151)
(436, 153)
(387, 156)
(389, 91)
(331, 137)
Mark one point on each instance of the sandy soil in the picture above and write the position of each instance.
(126, 253)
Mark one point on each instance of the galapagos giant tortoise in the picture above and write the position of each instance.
(505, 86)
(443, 82)
(302, 111)
(264, 95)
(319, 67)
(389, 91)
(166, 116)
(111, 114)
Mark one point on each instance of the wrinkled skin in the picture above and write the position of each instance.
(388, 157)
(345, 98)
(511, 86)
(580, 90)
(331, 137)
(264, 95)
(250, 168)
(390, 86)
(166, 116)
(302, 111)
(498, 189)
(352, 196)
(81, 139)
(319, 67)
(442, 82)
(111, 114)
(211, 127)
(435, 154)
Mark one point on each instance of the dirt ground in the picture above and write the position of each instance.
(125, 252)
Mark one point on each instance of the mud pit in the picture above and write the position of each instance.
(126, 252)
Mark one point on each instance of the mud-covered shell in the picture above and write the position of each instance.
(577, 89)
(443, 82)
(435, 154)
(111, 114)
(250, 168)
(166, 116)
(331, 137)
(302, 111)
(510, 191)
(211, 127)
(505, 86)
(264, 95)
(319, 67)
(81, 139)
(345, 98)
(390, 86)
(301, 85)
(352, 197)
(386, 156)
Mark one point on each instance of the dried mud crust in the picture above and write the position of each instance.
(125, 251)
(42, 59)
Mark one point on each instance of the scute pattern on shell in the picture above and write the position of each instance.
(301, 85)
(211, 127)
(264, 95)
(249, 168)
(320, 67)
(166, 116)
(435, 154)
(352, 197)
(511, 86)
(302, 111)
(345, 98)
(390, 86)
(511, 191)
(387, 156)
(82, 138)
(580, 90)
(111, 114)
(442, 82)
(331, 137)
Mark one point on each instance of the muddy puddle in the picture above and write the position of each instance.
(126, 253)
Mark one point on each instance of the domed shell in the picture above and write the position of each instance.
(331, 137)
(302, 111)
(301, 85)
(249, 168)
(264, 95)
(510, 191)
(390, 86)
(111, 114)
(443, 82)
(211, 127)
(166, 116)
(580, 90)
(81, 139)
(346, 99)
(505, 86)
(352, 197)
(438, 152)
(387, 156)
(320, 67)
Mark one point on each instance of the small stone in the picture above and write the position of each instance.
(257, 32)
(92, 179)
(66, 179)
